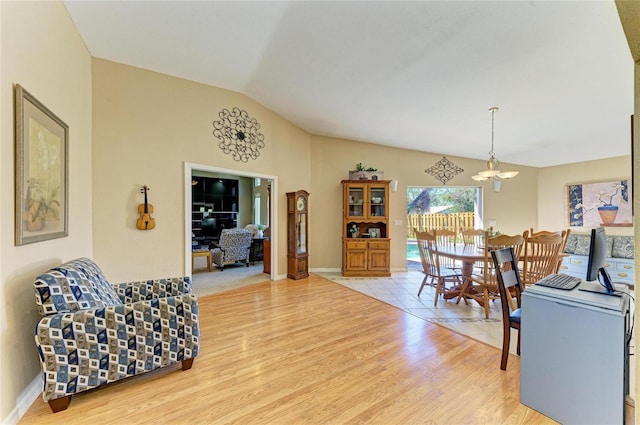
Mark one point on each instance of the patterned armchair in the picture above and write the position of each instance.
(233, 247)
(94, 333)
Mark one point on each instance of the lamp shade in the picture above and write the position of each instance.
(489, 173)
(507, 174)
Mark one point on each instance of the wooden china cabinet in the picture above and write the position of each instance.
(365, 224)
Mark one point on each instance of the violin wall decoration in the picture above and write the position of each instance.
(145, 221)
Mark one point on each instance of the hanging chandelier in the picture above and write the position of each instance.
(493, 165)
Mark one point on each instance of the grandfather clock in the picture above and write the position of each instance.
(298, 234)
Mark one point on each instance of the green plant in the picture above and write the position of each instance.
(493, 233)
(42, 204)
(360, 167)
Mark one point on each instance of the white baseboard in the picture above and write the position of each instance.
(24, 402)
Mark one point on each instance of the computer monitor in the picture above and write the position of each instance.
(597, 259)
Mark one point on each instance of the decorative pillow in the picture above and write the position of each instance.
(622, 247)
(572, 241)
(582, 244)
(609, 245)
(253, 228)
(76, 285)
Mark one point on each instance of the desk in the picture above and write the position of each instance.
(201, 253)
(256, 251)
(574, 354)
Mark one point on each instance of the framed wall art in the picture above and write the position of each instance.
(41, 157)
(606, 204)
(374, 232)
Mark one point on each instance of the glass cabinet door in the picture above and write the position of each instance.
(377, 202)
(356, 202)
(290, 231)
(302, 233)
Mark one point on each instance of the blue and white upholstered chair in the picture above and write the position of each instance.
(93, 333)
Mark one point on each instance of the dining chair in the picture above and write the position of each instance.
(446, 238)
(483, 287)
(505, 263)
(565, 237)
(440, 276)
(428, 277)
(541, 257)
(472, 237)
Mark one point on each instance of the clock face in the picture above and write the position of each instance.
(300, 204)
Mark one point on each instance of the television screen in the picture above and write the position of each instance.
(209, 227)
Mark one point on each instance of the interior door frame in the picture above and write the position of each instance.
(189, 168)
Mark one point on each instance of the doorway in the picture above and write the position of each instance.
(189, 170)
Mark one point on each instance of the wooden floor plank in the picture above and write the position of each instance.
(312, 351)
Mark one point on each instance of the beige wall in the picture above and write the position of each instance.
(145, 127)
(40, 50)
(514, 208)
(552, 194)
(164, 121)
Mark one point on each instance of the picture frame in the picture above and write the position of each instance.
(600, 204)
(374, 232)
(41, 171)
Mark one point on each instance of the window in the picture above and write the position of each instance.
(256, 208)
(453, 208)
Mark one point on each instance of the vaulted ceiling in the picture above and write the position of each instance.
(418, 74)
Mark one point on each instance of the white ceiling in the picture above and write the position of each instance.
(418, 75)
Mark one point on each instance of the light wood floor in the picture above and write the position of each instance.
(312, 351)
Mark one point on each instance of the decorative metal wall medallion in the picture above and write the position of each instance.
(444, 170)
(239, 134)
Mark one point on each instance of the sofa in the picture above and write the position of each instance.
(93, 333)
(620, 262)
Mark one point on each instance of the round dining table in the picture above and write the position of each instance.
(468, 255)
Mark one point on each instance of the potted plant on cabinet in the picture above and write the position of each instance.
(365, 173)
(354, 231)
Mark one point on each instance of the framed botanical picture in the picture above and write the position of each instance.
(374, 232)
(41, 156)
(600, 204)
